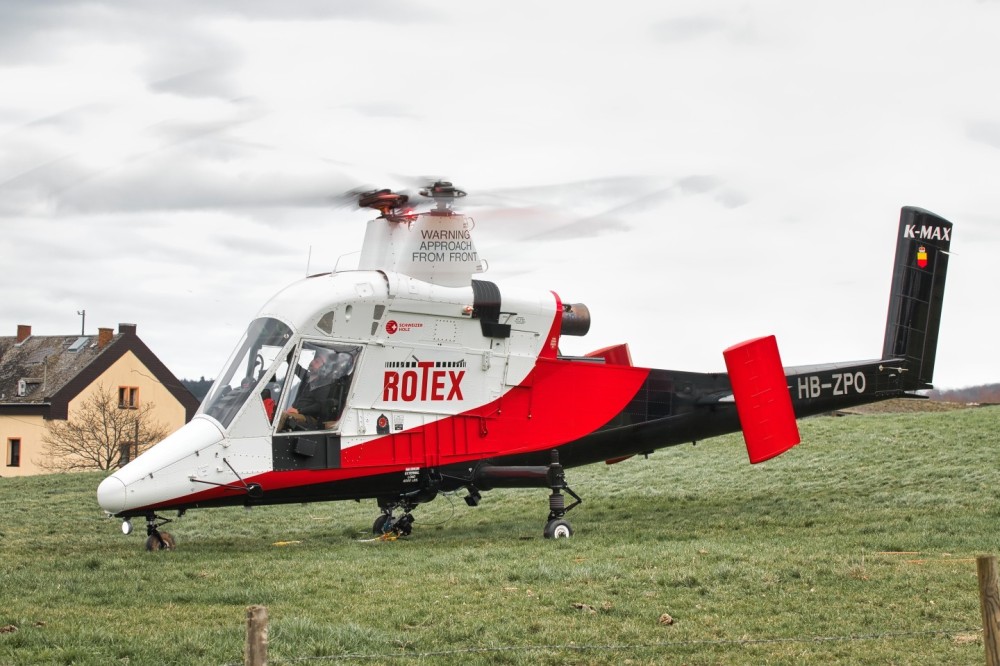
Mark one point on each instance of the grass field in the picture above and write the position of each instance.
(858, 546)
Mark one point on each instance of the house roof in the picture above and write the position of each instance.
(53, 369)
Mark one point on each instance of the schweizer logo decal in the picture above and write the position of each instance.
(392, 326)
(922, 257)
(437, 381)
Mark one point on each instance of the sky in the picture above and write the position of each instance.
(697, 173)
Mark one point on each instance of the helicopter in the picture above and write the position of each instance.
(408, 377)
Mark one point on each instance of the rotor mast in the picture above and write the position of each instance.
(435, 246)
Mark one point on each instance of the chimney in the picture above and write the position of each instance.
(23, 333)
(104, 336)
(126, 329)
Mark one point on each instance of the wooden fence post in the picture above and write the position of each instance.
(256, 649)
(989, 596)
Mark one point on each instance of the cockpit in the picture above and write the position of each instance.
(300, 388)
(316, 389)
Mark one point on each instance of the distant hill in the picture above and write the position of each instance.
(198, 387)
(987, 393)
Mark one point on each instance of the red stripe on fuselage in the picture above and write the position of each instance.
(550, 348)
(558, 402)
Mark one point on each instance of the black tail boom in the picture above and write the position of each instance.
(673, 407)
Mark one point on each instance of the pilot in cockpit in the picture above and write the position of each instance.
(343, 365)
(310, 408)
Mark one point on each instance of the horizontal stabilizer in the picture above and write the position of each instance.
(763, 402)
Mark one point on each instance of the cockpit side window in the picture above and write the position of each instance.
(260, 347)
(319, 387)
(270, 395)
(325, 322)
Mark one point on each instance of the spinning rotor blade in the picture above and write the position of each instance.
(557, 212)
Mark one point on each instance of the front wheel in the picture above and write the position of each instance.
(160, 541)
(558, 529)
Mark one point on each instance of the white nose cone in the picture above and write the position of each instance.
(163, 473)
(111, 495)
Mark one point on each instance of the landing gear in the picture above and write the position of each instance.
(557, 527)
(155, 539)
(388, 525)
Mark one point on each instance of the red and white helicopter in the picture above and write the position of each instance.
(407, 378)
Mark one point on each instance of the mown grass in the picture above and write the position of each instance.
(858, 546)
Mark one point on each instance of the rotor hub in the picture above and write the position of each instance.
(444, 195)
(384, 201)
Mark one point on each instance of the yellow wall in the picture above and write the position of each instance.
(30, 430)
(126, 371)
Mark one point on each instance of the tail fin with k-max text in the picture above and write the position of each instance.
(917, 295)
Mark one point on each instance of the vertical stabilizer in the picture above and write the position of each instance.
(917, 294)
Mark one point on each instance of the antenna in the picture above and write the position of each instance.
(309, 260)
(83, 321)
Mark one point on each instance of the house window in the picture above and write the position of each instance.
(128, 397)
(129, 452)
(14, 452)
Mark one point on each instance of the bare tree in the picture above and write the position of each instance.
(101, 434)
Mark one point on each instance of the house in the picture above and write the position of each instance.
(47, 378)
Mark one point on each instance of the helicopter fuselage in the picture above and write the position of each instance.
(375, 383)
(441, 378)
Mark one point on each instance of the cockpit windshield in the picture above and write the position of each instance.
(259, 348)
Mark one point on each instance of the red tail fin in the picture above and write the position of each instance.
(762, 399)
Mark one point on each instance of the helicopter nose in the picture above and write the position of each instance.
(111, 495)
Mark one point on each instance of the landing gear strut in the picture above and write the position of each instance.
(155, 539)
(557, 527)
(387, 524)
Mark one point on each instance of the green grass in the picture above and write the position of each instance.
(754, 564)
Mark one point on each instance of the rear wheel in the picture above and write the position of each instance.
(381, 525)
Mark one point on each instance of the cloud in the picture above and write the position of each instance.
(683, 28)
(202, 70)
(173, 163)
(984, 131)
(387, 109)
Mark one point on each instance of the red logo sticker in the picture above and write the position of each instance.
(425, 381)
(391, 326)
(922, 257)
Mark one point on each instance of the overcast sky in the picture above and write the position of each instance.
(698, 173)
